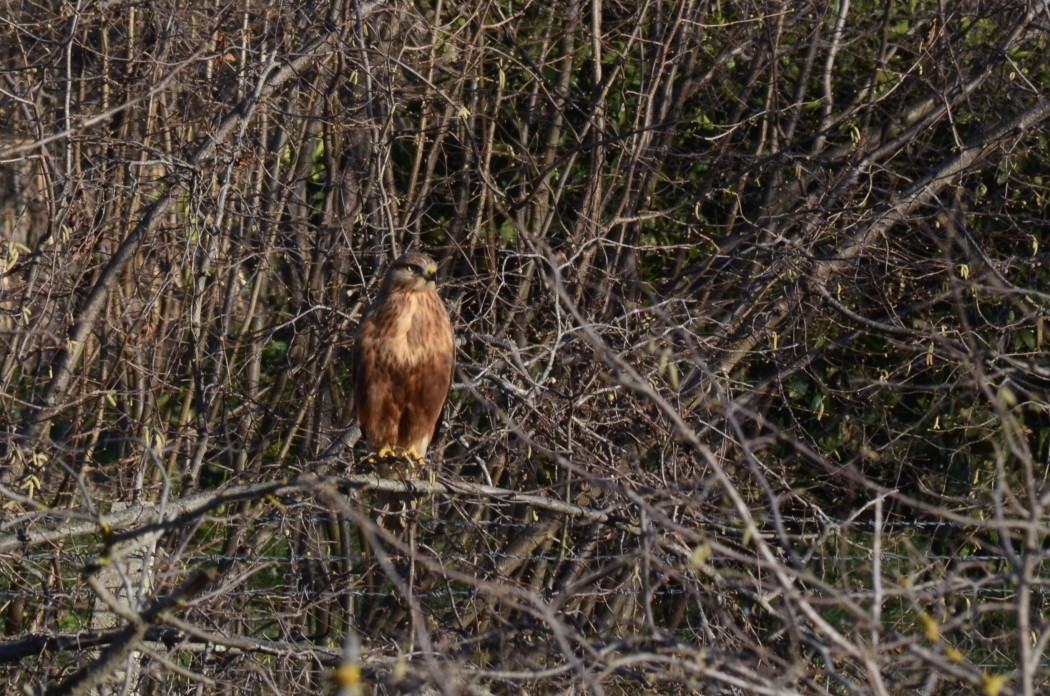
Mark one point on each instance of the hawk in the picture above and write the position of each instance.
(403, 361)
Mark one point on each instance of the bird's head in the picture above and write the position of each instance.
(412, 271)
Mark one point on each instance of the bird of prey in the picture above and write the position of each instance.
(403, 363)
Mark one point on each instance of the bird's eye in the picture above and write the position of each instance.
(415, 268)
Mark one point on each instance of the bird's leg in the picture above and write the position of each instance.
(415, 458)
(421, 465)
(385, 455)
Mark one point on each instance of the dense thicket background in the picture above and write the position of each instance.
(751, 300)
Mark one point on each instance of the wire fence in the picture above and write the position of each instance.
(296, 587)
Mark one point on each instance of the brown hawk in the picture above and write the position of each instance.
(404, 357)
